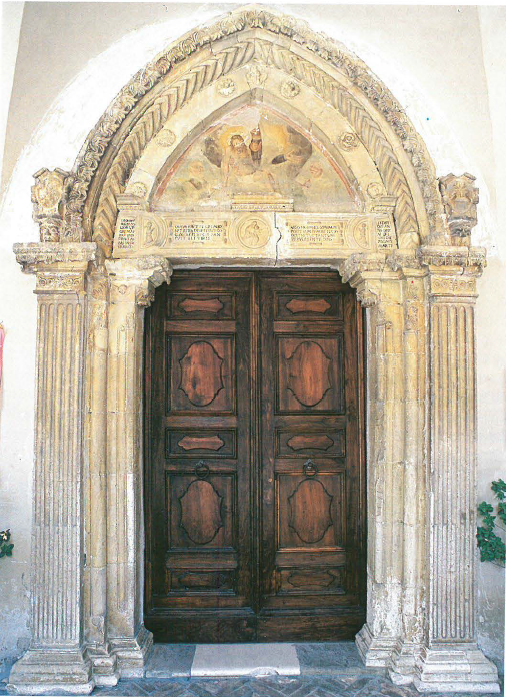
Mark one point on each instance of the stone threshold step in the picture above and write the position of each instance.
(256, 660)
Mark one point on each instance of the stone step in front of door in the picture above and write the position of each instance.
(256, 660)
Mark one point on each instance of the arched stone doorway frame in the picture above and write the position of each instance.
(87, 570)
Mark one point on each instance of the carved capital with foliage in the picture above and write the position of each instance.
(60, 268)
(135, 280)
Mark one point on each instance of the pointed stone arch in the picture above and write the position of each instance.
(251, 37)
(419, 293)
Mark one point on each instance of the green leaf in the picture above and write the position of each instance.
(499, 489)
(484, 508)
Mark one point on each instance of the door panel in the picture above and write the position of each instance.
(200, 569)
(254, 462)
(311, 556)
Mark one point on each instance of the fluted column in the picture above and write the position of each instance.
(55, 659)
(132, 285)
(451, 660)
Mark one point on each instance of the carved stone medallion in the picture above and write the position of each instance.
(253, 232)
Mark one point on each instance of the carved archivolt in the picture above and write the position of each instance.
(225, 60)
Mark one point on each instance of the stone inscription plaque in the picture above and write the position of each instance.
(316, 233)
(126, 233)
(205, 232)
(385, 234)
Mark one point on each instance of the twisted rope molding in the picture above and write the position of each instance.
(335, 54)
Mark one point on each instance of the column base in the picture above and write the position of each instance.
(455, 668)
(404, 659)
(104, 666)
(376, 652)
(42, 671)
(131, 654)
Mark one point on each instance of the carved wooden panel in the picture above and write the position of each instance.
(300, 581)
(202, 374)
(200, 510)
(302, 443)
(312, 306)
(311, 510)
(193, 443)
(201, 581)
(310, 374)
(203, 305)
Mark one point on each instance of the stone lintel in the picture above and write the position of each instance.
(51, 671)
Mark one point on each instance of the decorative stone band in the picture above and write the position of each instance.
(60, 267)
(453, 256)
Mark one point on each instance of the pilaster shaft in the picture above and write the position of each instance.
(451, 659)
(132, 285)
(55, 659)
(380, 289)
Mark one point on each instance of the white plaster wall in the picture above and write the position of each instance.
(443, 64)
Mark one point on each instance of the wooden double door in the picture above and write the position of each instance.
(254, 476)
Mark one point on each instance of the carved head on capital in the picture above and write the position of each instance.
(460, 198)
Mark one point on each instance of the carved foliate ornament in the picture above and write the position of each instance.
(47, 198)
(460, 197)
(290, 89)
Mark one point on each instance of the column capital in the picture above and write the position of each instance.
(136, 279)
(448, 260)
(59, 267)
(370, 275)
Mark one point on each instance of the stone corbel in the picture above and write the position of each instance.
(137, 279)
(365, 273)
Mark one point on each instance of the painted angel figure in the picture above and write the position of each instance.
(240, 164)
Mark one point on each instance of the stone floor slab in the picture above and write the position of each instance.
(170, 661)
(255, 660)
(333, 659)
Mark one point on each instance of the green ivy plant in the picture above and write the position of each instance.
(491, 546)
(5, 547)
